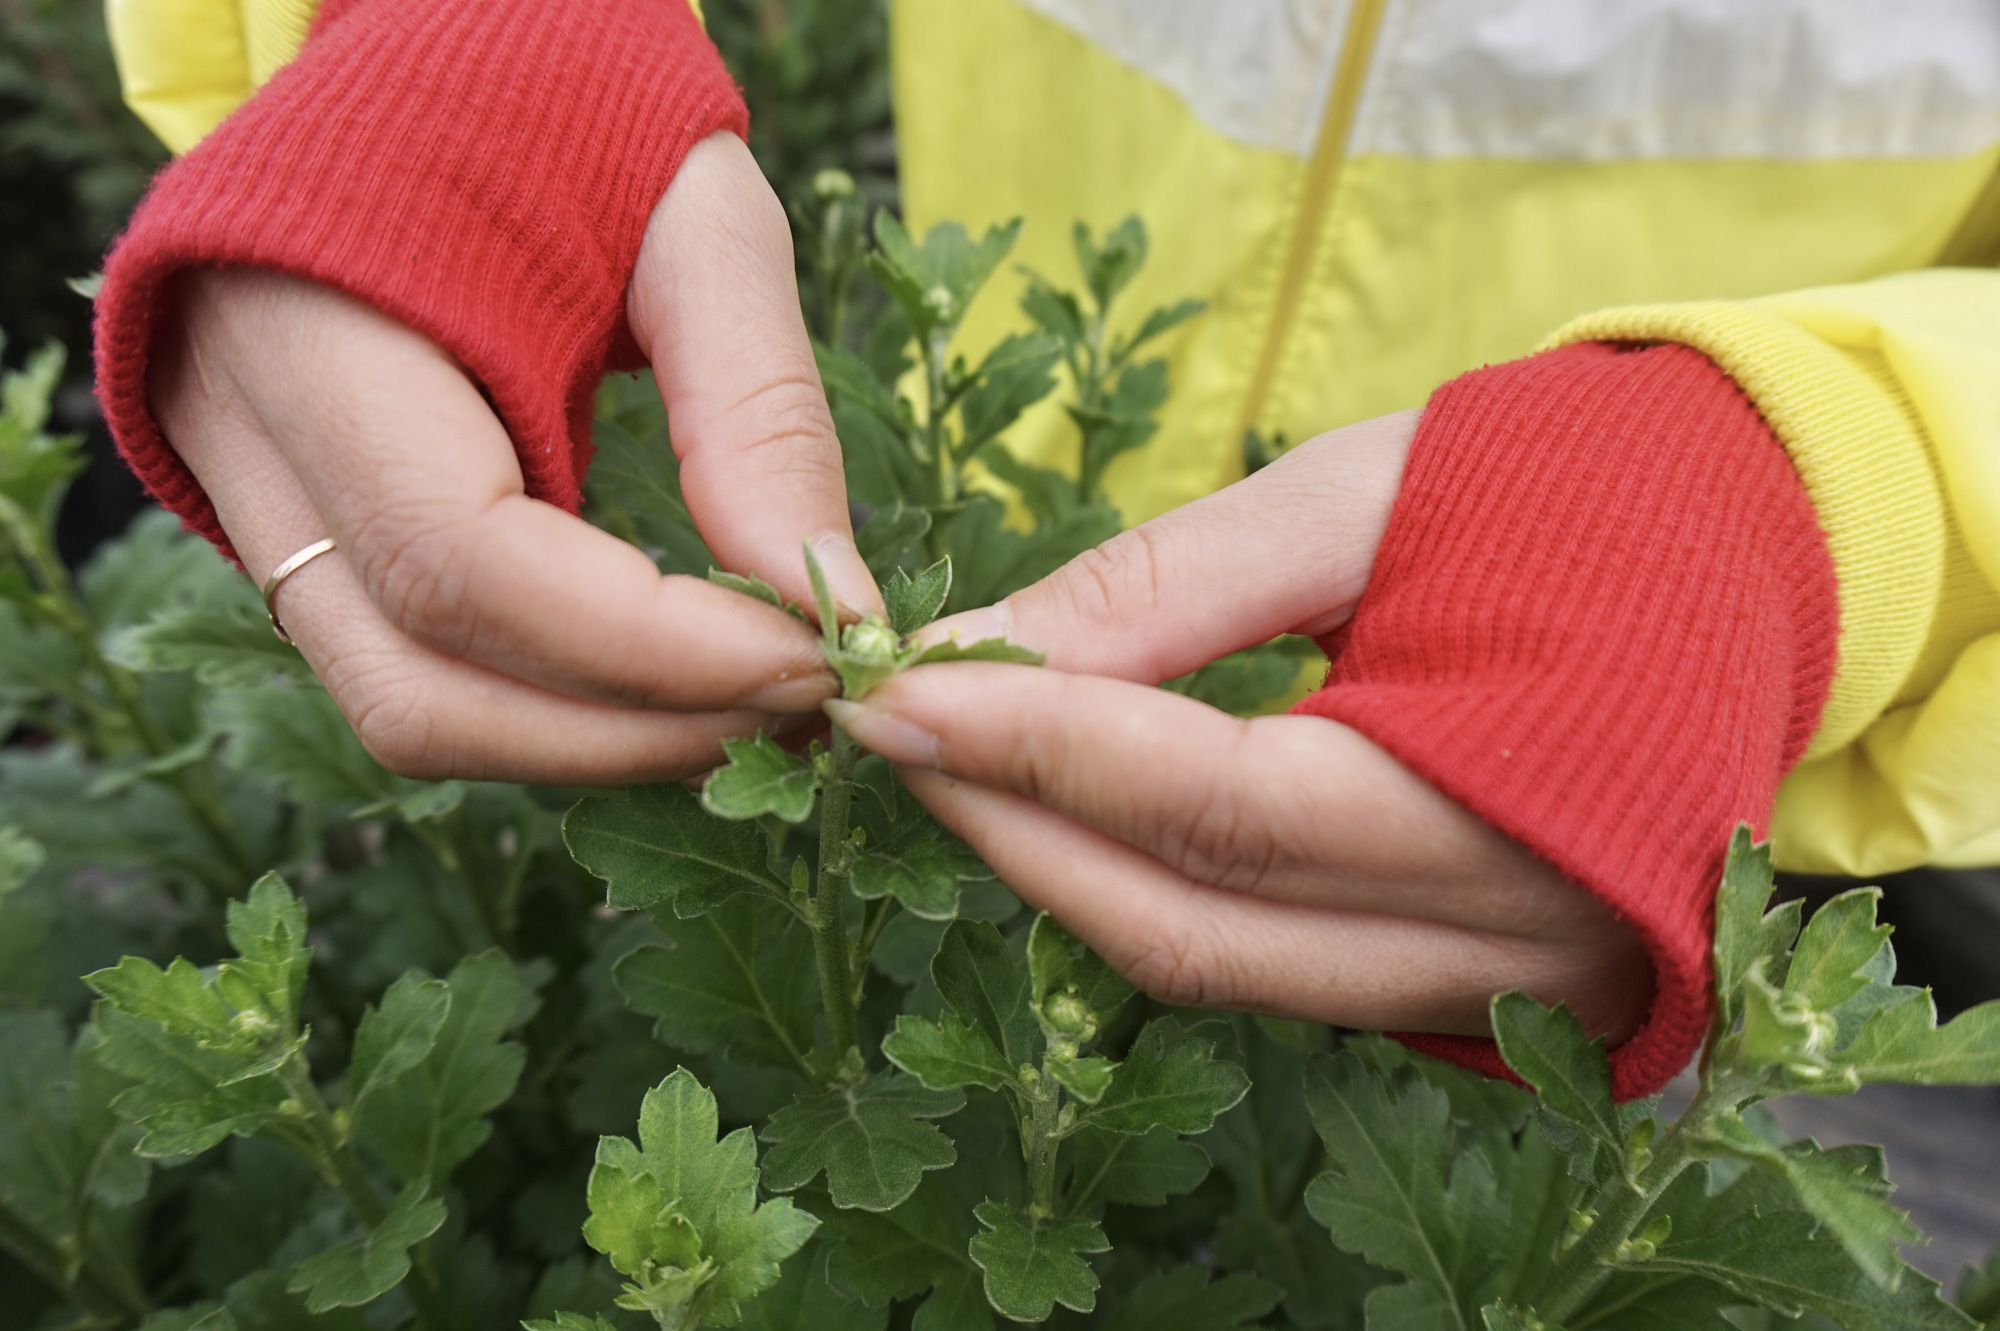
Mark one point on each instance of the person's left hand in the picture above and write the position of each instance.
(1283, 864)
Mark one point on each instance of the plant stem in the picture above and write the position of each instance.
(1042, 1145)
(341, 1167)
(831, 949)
(1592, 1259)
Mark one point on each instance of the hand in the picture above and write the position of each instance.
(1283, 864)
(466, 629)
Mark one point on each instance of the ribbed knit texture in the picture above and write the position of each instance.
(1603, 618)
(481, 170)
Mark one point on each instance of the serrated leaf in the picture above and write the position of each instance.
(890, 533)
(710, 1188)
(934, 282)
(845, 375)
(761, 778)
(1033, 1263)
(187, 1098)
(295, 735)
(424, 1123)
(1085, 1078)
(948, 1054)
(1902, 1042)
(260, 1302)
(898, 1254)
(568, 1322)
(740, 977)
(223, 646)
(988, 987)
(915, 602)
(1776, 1261)
(802, 1300)
(1059, 963)
(1979, 1290)
(1546, 1048)
(1013, 376)
(871, 1140)
(396, 1036)
(1170, 1078)
(1837, 945)
(1743, 931)
(919, 863)
(1160, 321)
(659, 845)
(1141, 1170)
(1845, 1189)
(363, 1269)
(268, 928)
(1396, 1195)
(180, 998)
(1185, 1299)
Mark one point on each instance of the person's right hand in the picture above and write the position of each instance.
(466, 629)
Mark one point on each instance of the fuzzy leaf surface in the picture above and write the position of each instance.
(1903, 1043)
(802, 1300)
(1743, 931)
(658, 845)
(1546, 1048)
(740, 977)
(1033, 1263)
(761, 778)
(1185, 1299)
(1170, 1079)
(917, 1247)
(1141, 1170)
(424, 1123)
(872, 1141)
(397, 1035)
(915, 602)
(988, 987)
(222, 646)
(363, 1269)
(919, 863)
(948, 1054)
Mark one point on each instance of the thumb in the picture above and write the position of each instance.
(714, 302)
(1287, 550)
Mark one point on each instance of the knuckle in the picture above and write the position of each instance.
(1172, 966)
(417, 564)
(390, 718)
(1118, 578)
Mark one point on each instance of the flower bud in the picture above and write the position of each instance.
(1069, 1014)
(871, 641)
(833, 183)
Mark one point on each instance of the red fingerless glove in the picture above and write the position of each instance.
(482, 170)
(1604, 619)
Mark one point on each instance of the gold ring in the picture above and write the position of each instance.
(284, 570)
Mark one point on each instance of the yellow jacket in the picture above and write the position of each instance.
(1376, 195)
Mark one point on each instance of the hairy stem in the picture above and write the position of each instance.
(1592, 1259)
(1041, 1146)
(831, 950)
(341, 1167)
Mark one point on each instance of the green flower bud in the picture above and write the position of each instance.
(1069, 1014)
(833, 183)
(871, 642)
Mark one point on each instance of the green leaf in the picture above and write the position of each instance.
(187, 1098)
(890, 534)
(269, 930)
(659, 845)
(749, 585)
(1777, 1262)
(918, 1246)
(693, 1185)
(987, 986)
(426, 1122)
(260, 1302)
(1108, 267)
(740, 978)
(934, 282)
(1250, 682)
(293, 733)
(1546, 1048)
(1012, 377)
(1086, 1078)
(1141, 1170)
(180, 998)
(1184, 1299)
(1033, 1263)
(396, 1036)
(568, 1322)
(1839, 942)
(948, 1054)
(1743, 932)
(1058, 963)
(845, 375)
(224, 646)
(199, 1317)
(1845, 1189)
(870, 1139)
(363, 1269)
(1395, 1195)
(1160, 321)
(761, 778)
(915, 602)
(1979, 1290)
(802, 1300)
(21, 857)
(1903, 1043)
(919, 863)
(986, 649)
(1170, 1078)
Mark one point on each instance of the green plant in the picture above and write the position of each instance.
(357, 1051)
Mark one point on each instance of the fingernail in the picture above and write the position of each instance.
(847, 574)
(896, 739)
(970, 626)
(799, 693)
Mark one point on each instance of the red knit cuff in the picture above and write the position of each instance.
(1604, 619)
(482, 170)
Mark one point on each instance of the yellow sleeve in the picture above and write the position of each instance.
(1886, 394)
(186, 64)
